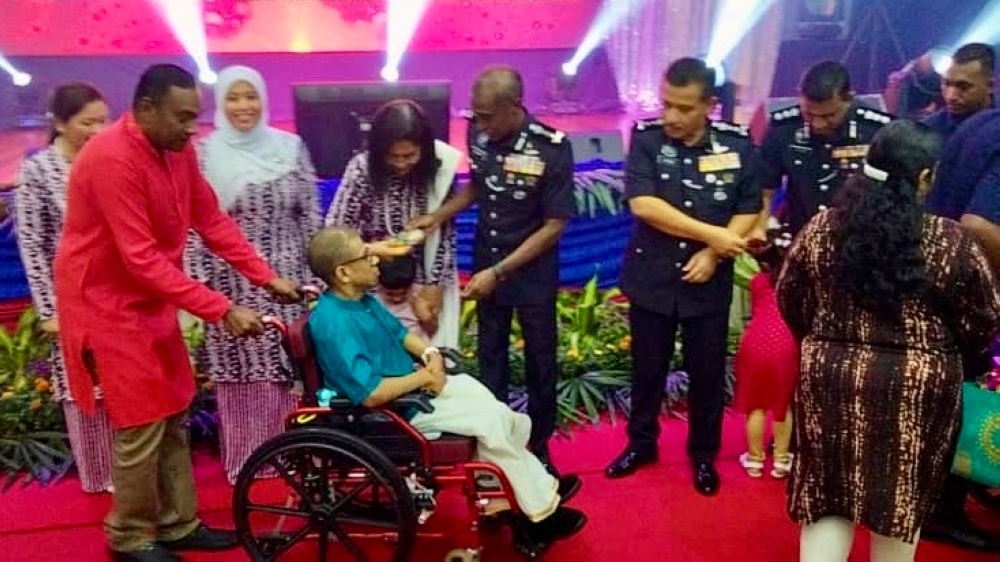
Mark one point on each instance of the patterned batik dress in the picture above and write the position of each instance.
(252, 376)
(879, 398)
(40, 204)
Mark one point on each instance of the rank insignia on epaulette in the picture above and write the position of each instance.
(555, 136)
(643, 124)
(787, 113)
(727, 127)
(873, 115)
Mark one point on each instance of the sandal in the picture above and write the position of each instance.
(782, 466)
(754, 467)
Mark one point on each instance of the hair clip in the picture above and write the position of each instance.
(874, 173)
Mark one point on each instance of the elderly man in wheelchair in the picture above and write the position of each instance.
(365, 356)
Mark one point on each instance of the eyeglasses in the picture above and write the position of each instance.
(365, 255)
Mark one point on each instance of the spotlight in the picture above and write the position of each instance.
(940, 60)
(21, 79)
(390, 74)
(569, 69)
(208, 76)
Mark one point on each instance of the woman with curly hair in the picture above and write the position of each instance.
(884, 299)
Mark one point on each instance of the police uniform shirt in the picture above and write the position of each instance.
(815, 168)
(967, 179)
(519, 184)
(711, 181)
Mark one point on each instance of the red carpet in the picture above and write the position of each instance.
(655, 515)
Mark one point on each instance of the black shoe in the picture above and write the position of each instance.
(204, 538)
(569, 485)
(706, 478)
(960, 531)
(628, 462)
(531, 540)
(150, 553)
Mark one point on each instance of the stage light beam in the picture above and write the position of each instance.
(185, 19)
(18, 78)
(734, 19)
(403, 18)
(611, 13)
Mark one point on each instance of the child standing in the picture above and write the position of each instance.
(396, 290)
(767, 366)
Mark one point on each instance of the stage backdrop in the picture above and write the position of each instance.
(130, 27)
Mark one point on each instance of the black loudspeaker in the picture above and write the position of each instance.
(825, 20)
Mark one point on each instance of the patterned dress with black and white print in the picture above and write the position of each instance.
(39, 208)
(252, 376)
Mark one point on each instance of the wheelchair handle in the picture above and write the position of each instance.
(310, 292)
(275, 323)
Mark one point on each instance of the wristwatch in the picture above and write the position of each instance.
(426, 355)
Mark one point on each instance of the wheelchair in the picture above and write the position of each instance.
(343, 475)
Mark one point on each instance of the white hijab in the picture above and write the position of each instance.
(235, 160)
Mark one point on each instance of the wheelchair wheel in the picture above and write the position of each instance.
(986, 496)
(327, 486)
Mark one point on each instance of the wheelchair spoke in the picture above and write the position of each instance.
(287, 544)
(273, 510)
(367, 521)
(289, 479)
(347, 542)
(347, 497)
(324, 541)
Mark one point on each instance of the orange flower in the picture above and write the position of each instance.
(42, 385)
(626, 342)
(519, 344)
(35, 404)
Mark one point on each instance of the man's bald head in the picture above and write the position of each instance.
(496, 102)
(502, 84)
(330, 247)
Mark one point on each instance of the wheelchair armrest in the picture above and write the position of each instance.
(452, 359)
(415, 401)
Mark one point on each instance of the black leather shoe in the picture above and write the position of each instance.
(151, 553)
(569, 485)
(204, 538)
(532, 540)
(628, 462)
(706, 478)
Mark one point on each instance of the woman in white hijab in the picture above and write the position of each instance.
(406, 173)
(265, 179)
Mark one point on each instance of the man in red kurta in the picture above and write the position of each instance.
(133, 194)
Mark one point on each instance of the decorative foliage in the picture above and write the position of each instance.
(203, 416)
(599, 191)
(33, 441)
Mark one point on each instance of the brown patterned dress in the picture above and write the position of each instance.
(879, 399)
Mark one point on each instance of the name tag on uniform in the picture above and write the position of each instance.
(719, 162)
(523, 164)
(849, 152)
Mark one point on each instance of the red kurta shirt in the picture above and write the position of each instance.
(119, 277)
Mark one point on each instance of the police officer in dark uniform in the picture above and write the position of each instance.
(522, 180)
(694, 188)
(815, 146)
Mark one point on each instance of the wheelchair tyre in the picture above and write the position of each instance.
(462, 555)
(329, 442)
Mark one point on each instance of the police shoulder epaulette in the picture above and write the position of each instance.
(643, 124)
(786, 114)
(553, 135)
(733, 128)
(873, 115)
